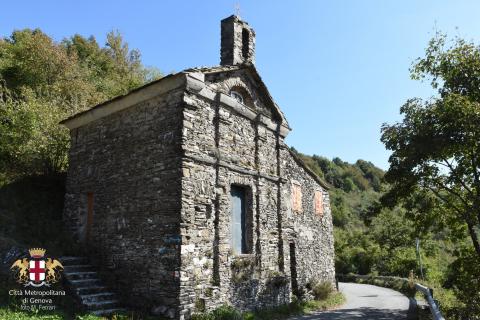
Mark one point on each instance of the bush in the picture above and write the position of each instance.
(464, 279)
(31, 141)
(221, 313)
(322, 290)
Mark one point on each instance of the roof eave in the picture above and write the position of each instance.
(122, 102)
(309, 171)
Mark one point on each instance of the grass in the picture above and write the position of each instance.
(334, 300)
(282, 312)
(9, 313)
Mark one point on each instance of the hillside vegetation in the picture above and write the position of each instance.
(43, 82)
(372, 239)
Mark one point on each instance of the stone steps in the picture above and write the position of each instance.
(108, 311)
(85, 282)
(101, 305)
(88, 288)
(102, 296)
(79, 268)
(81, 275)
(69, 261)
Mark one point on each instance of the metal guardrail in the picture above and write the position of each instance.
(437, 315)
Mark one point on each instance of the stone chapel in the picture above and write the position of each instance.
(186, 196)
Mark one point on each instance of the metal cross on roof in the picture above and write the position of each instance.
(237, 9)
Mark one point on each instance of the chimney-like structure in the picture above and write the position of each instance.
(238, 42)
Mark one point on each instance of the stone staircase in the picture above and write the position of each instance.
(90, 292)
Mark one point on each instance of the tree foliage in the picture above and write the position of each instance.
(435, 163)
(31, 141)
(436, 147)
(380, 240)
(43, 82)
(368, 239)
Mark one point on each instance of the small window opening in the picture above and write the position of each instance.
(245, 43)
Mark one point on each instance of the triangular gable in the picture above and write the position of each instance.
(165, 84)
(253, 73)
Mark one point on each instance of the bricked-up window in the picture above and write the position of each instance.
(296, 197)
(318, 199)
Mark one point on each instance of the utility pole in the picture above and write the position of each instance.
(417, 242)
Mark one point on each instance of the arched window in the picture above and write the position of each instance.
(239, 93)
(236, 95)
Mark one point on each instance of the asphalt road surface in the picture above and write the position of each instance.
(365, 301)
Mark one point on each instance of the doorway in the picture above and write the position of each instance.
(293, 269)
(88, 227)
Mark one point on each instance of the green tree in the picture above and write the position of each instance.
(43, 82)
(435, 168)
(113, 69)
(32, 64)
(436, 147)
(31, 141)
(464, 276)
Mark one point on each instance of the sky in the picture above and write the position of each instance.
(338, 69)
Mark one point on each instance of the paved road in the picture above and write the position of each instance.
(365, 301)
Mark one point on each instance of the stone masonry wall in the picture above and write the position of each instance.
(224, 148)
(161, 173)
(130, 161)
(310, 232)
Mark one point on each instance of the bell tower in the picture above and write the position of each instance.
(237, 42)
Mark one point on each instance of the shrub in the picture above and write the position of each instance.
(221, 313)
(322, 290)
(243, 268)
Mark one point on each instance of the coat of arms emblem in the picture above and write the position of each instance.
(37, 271)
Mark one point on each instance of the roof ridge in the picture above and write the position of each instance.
(308, 170)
